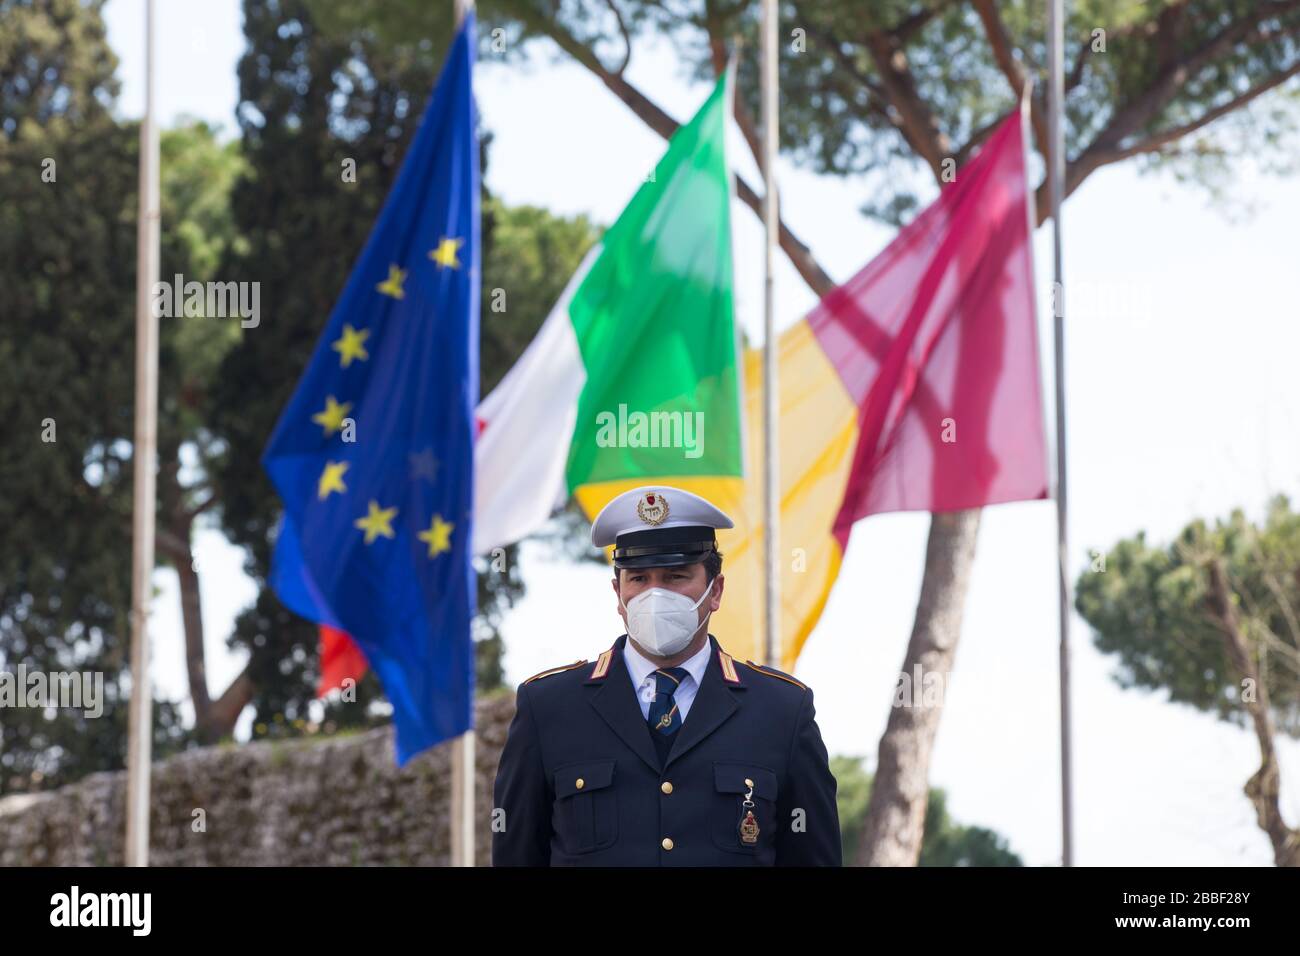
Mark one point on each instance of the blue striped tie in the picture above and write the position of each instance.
(665, 717)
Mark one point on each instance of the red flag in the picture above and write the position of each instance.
(936, 341)
(340, 658)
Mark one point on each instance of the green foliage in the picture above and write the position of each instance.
(67, 347)
(1150, 608)
(196, 174)
(835, 119)
(59, 69)
(852, 794)
(838, 115)
(944, 843)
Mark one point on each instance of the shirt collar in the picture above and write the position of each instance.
(640, 668)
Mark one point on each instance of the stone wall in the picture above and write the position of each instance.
(338, 801)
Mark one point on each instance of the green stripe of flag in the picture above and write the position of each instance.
(654, 322)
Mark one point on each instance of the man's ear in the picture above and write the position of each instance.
(719, 583)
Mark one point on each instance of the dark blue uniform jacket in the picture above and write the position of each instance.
(580, 782)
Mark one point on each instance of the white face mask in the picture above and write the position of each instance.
(663, 621)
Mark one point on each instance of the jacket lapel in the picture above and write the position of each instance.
(714, 703)
(615, 701)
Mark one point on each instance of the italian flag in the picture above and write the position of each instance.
(633, 375)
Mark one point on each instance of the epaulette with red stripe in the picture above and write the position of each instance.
(602, 665)
(727, 664)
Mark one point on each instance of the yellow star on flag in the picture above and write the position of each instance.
(437, 536)
(377, 522)
(331, 479)
(445, 254)
(351, 345)
(393, 284)
(331, 417)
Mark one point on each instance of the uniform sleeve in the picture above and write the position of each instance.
(521, 827)
(813, 837)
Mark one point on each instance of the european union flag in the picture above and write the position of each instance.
(373, 456)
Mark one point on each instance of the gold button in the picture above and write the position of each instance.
(666, 787)
(579, 783)
(748, 782)
(667, 843)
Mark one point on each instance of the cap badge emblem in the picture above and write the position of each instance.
(652, 508)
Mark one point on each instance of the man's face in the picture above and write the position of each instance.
(689, 579)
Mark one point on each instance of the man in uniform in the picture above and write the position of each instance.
(666, 751)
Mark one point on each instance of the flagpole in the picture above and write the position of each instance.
(140, 719)
(771, 470)
(1056, 178)
(462, 754)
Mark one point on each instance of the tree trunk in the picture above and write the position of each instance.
(895, 820)
(213, 720)
(1264, 787)
(192, 618)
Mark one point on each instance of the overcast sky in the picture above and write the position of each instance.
(1182, 343)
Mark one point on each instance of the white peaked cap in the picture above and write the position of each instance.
(652, 508)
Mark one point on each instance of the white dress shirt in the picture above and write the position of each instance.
(642, 672)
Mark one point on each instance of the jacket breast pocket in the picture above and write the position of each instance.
(586, 806)
(731, 782)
